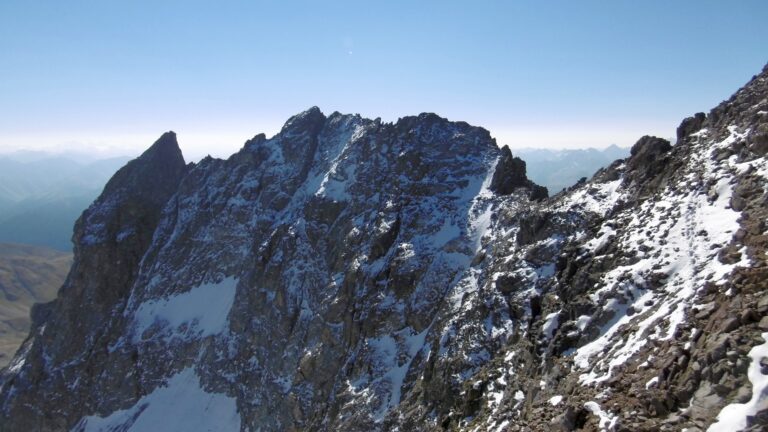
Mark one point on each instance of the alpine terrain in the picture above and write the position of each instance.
(352, 275)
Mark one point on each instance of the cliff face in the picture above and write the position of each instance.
(351, 274)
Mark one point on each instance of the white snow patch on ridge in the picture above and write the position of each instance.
(734, 416)
(181, 405)
(678, 237)
(597, 198)
(199, 312)
(395, 356)
(551, 322)
(481, 210)
(607, 421)
(600, 241)
(555, 400)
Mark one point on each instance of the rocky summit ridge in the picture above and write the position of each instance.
(349, 274)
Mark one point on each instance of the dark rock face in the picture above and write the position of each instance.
(161, 167)
(510, 175)
(648, 156)
(348, 274)
(648, 148)
(690, 125)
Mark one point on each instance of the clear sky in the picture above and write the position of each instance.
(114, 75)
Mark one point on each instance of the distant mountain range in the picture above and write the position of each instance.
(562, 168)
(41, 195)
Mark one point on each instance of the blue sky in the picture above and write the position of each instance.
(111, 75)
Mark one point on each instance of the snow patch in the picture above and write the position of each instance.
(598, 243)
(519, 396)
(597, 198)
(734, 416)
(387, 354)
(502, 426)
(551, 322)
(653, 382)
(607, 421)
(678, 238)
(181, 405)
(199, 312)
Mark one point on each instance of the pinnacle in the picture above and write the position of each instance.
(165, 148)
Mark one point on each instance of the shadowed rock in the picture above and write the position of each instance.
(510, 175)
(690, 125)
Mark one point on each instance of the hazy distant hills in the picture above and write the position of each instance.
(28, 275)
(41, 195)
(558, 169)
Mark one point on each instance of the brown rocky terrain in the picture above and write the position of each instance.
(28, 275)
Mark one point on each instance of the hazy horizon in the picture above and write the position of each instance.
(110, 78)
(201, 146)
(94, 151)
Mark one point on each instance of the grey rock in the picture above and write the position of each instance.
(510, 175)
(690, 125)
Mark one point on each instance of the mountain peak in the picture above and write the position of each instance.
(160, 167)
(310, 119)
(166, 148)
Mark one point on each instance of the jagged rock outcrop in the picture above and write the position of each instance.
(510, 175)
(690, 125)
(349, 274)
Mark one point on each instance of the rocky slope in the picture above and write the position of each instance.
(349, 274)
(28, 275)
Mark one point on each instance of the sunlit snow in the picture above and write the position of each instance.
(733, 417)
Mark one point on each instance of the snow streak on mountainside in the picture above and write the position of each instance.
(356, 275)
